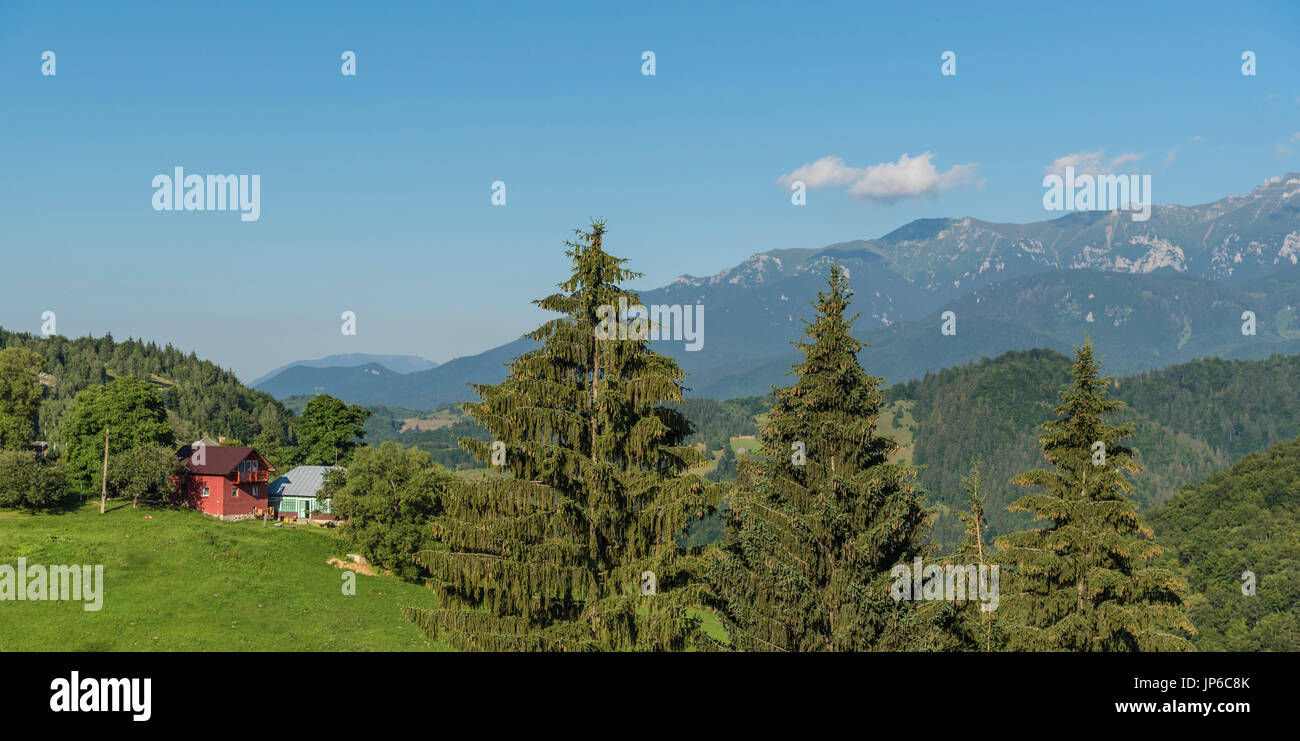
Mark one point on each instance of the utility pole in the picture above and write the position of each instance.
(103, 492)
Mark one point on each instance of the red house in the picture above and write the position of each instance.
(226, 482)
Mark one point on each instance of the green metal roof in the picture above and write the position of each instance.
(302, 482)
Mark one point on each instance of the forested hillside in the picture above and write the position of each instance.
(201, 398)
(1191, 420)
(1244, 519)
(715, 422)
(435, 432)
(1235, 406)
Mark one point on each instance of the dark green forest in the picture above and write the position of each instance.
(1190, 420)
(1244, 519)
(715, 422)
(201, 398)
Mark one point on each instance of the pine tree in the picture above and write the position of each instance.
(577, 549)
(1080, 583)
(818, 521)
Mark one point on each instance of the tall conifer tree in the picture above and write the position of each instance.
(577, 549)
(1080, 583)
(818, 522)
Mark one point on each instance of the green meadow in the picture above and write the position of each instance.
(182, 581)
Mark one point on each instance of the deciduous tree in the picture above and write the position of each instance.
(29, 483)
(389, 496)
(144, 472)
(20, 396)
(134, 410)
(328, 432)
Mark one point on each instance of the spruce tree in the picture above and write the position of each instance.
(575, 550)
(819, 519)
(1080, 583)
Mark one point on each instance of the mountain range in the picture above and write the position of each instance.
(1151, 293)
(390, 363)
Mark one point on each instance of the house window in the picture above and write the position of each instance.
(206, 492)
(234, 491)
(255, 491)
(247, 466)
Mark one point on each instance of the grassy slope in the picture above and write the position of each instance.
(712, 626)
(182, 581)
(901, 430)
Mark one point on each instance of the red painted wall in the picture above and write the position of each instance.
(221, 500)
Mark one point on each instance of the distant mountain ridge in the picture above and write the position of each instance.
(1152, 293)
(1140, 322)
(393, 363)
(1239, 236)
(374, 384)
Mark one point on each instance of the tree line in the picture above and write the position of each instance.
(578, 543)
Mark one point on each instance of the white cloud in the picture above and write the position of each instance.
(1094, 163)
(1198, 139)
(1282, 150)
(827, 171)
(909, 177)
(1295, 137)
(1169, 158)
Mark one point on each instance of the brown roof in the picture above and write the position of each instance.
(219, 459)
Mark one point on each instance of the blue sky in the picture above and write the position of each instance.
(375, 189)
